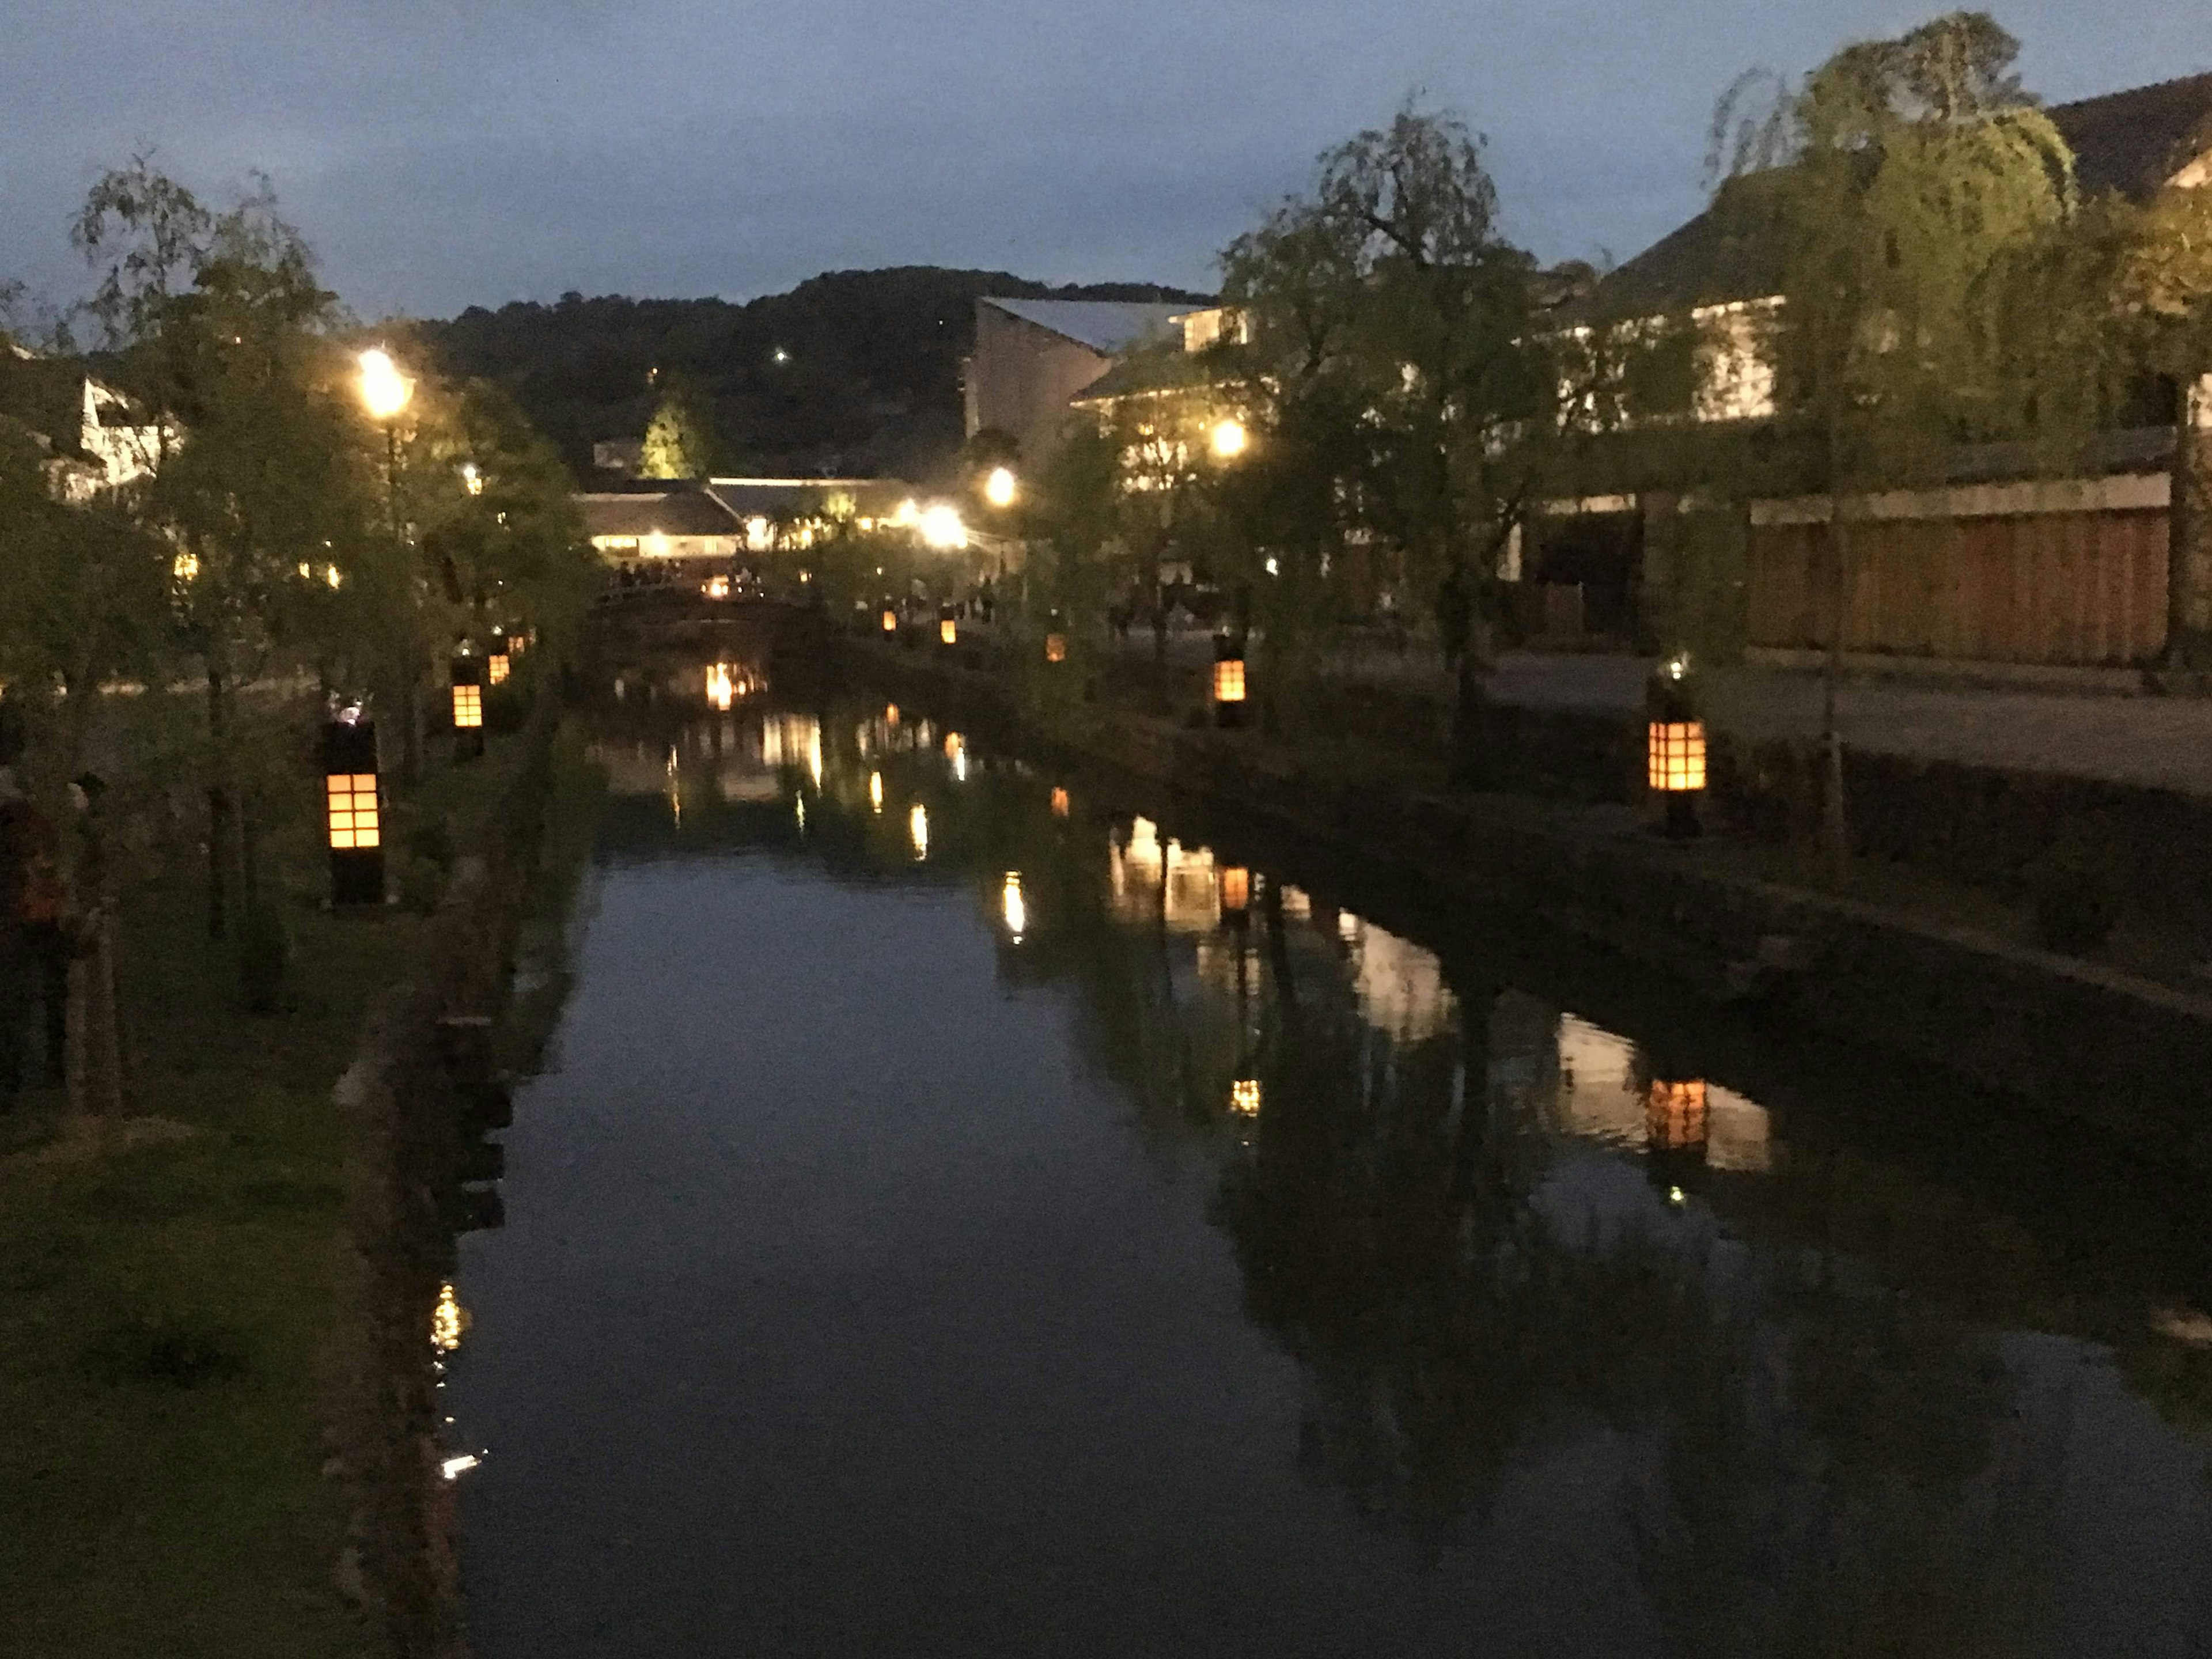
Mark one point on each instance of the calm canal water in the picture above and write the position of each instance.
(967, 1217)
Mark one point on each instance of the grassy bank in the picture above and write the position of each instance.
(174, 1297)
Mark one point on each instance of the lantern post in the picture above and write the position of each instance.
(497, 662)
(948, 626)
(1675, 744)
(353, 817)
(889, 613)
(1055, 637)
(1228, 682)
(468, 703)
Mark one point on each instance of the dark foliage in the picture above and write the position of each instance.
(868, 382)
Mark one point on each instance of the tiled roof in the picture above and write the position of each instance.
(1107, 327)
(671, 513)
(2132, 141)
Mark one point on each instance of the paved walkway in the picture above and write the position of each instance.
(2128, 740)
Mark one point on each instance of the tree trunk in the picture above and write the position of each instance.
(1835, 821)
(219, 806)
(2189, 539)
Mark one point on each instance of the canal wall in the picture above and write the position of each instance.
(2089, 1042)
(417, 1101)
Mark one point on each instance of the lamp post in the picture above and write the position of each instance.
(1228, 682)
(352, 813)
(999, 488)
(468, 703)
(496, 664)
(1675, 745)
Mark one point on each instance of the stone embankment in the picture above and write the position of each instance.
(2089, 1042)
(417, 1101)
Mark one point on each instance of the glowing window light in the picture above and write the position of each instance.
(1230, 439)
(1235, 888)
(875, 791)
(656, 545)
(1000, 488)
(384, 392)
(719, 691)
(1011, 906)
(1675, 755)
(1058, 803)
(449, 1320)
(917, 829)
(1244, 1096)
(1676, 1116)
(942, 528)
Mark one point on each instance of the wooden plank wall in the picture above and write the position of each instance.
(2081, 588)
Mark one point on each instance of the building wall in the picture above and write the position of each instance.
(2080, 588)
(1021, 378)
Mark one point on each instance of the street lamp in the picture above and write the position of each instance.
(352, 818)
(1000, 488)
(1675, 745)
(468, 703)
(1230, 439)
(496, 664)
(1228, 682)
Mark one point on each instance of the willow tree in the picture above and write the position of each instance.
(1902, 179)
(1390, 306)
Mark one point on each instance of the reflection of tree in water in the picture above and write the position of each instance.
(1845, 1474)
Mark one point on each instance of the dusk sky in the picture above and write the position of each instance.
(478, 151)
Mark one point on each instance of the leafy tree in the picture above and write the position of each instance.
(1901, 181)
(680, 441)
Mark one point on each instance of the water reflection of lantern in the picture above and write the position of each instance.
(1011, 907)
(449, 1320)
(719, 691)
(352, 818)
(1244, 1096)
(468, 704)
(1055, 639)
(1228, 682)
(1236, 890)
(1675, 1115)
(875, 791)
(495, 661)
(948, 629)
(917, 829)
(1058, 802)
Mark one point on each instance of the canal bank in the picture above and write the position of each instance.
(2078, 1038)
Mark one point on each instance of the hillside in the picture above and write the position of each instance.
(868, 383)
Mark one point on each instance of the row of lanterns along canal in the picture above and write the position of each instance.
(965, 1214)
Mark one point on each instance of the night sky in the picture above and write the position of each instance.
(478, 151)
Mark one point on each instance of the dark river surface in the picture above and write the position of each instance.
(965, 1214)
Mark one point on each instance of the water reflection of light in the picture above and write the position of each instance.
(875, 791)
(799, 807)
(447, 1320)
(1010, 902)
(1603, 1096)
(720, 692)
(1399, 985)
(917, 829)
(1244, 1096)
(1138, 869)
(675, 789)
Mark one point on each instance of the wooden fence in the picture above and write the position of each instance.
(2077, 588)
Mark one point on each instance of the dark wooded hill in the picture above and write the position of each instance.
(867, 383)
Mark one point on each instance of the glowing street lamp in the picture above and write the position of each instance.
(1228, 682)
(943, 529)
(384, 392)
(999, 488)
(352, 814)
(1011, 906)
(496, 664)
(917, 831)
(1675, 745)
(468, 703)
(1228, 439)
